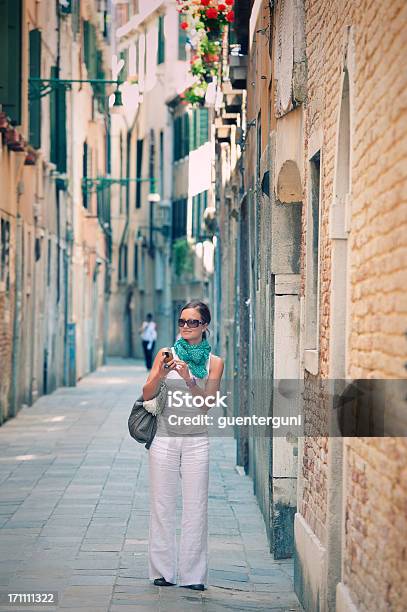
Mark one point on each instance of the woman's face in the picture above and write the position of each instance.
(192, 334)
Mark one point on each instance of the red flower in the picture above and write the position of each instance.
(205, 2)
(229, 2)
(230, 16)
(184, 25)
(221, 7)
(212, 13)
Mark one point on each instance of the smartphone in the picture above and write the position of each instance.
(167, 357)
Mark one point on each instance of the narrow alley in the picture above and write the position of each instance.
(74, 510)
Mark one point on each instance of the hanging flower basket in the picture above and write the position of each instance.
(205, 21)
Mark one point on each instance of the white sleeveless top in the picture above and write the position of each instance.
(175, 382)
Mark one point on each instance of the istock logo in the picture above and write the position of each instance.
(180, 398)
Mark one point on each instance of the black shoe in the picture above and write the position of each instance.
(195, 587)
(163, 582)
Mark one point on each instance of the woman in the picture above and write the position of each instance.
(182, 452)
(148, 334)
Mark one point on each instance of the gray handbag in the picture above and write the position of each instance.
(142, 423)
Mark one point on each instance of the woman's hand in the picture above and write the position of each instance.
(182, 369)
(163, 367)
(158, 372)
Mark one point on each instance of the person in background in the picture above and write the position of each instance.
(148, 333)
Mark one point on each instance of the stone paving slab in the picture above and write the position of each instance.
(74, 510)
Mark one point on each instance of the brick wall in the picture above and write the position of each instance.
(376, 485)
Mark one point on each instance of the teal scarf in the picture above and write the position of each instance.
(194, 355)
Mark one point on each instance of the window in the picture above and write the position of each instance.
(128, 156)
(49, 255)
(198, 128)
(151, 162)
(134, 7)
(5, 253)
(58, 124)
(35, 103)
(182, 40)
(179, 218)
(121, 172)
(135, 262)
(312, 261)
(10, 53)
(86, 168)
(162, 164)
(182, 136)
(90, 48)
(123, 262)
(203, 125)
(76, 17)
(199, 203)
(139, 168)
(161, 41)
(124, 72)
(177, 139)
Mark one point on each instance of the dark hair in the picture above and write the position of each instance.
(203, 311)
(149, 316)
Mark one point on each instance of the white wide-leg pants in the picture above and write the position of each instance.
(171, 459)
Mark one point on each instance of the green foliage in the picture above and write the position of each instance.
(182, 257)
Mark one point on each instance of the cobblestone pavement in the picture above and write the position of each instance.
(74, 510)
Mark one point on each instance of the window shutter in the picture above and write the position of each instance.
(194, 215)
(58, 124)
(135, 264)
(191, 130)
(161, 41)
(35, 104)
(10, 54)
(100, 88)
(53, 117)
(76, 17)
(85, 174)
(182, 40)
(184, 216)
(203, 125)
(185, 134)
(61, 134)
(124, 55)
(139, 169)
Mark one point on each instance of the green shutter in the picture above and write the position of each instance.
(10, 54)
(53, 117)
(76, 17)
(182, 40)
(194, 215)
(86, 36)
(191, 131)
(35, 103)
(196, 128)
(161, 41)
(124, 72)
(178, 146)
(90, 49)
(85, 174)
(185, 134)
(139, 169)
(58, 124)
(61, 126)
(203, 125)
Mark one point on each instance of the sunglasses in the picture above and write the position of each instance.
(189, 322)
